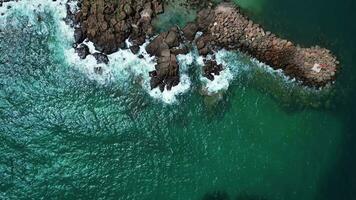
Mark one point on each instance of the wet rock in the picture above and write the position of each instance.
(82, 50)
(211, 68)
(79, 35)
(135, 49)
(165, 48)
(98, 70)
(101, 58)
(154, 47)
(180, 50)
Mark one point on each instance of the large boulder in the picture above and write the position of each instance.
(190, 31)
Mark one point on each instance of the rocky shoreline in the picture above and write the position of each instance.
(111, 26)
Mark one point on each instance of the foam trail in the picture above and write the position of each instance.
(222, 81)
(124, 66)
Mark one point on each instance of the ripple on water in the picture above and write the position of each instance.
(66, 135)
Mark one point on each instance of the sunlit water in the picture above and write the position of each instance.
(68, 133)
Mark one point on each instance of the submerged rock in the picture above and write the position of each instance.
(101, 58)
(211, 68)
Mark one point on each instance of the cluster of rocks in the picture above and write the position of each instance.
(166, 46)
(108, 24)
(226, 27)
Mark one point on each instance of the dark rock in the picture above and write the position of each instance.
(82, 50)
(98, 70)
(128, 10)
(79, 35)
(135, 49)
(211, 68)
(101, 58)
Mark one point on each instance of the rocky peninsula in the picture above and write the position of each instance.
(112, 25)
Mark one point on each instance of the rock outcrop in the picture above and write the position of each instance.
(166, 46)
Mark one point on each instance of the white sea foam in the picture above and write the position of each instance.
(124, 65)
(222, 81)
(274, 72)
(90, 46)
(31, 8)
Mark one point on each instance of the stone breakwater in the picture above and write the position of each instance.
(226, 27)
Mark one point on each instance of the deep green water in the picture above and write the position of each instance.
(63, 135)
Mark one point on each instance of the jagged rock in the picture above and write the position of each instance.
(157, 7)
(79, 35)
(109, 23)
(82, 50)
(165, 47)
(211, 68)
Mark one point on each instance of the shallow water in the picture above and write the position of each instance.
(67, 133)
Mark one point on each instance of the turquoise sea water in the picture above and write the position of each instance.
(66, 135)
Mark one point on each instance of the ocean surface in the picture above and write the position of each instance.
(252, 133)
